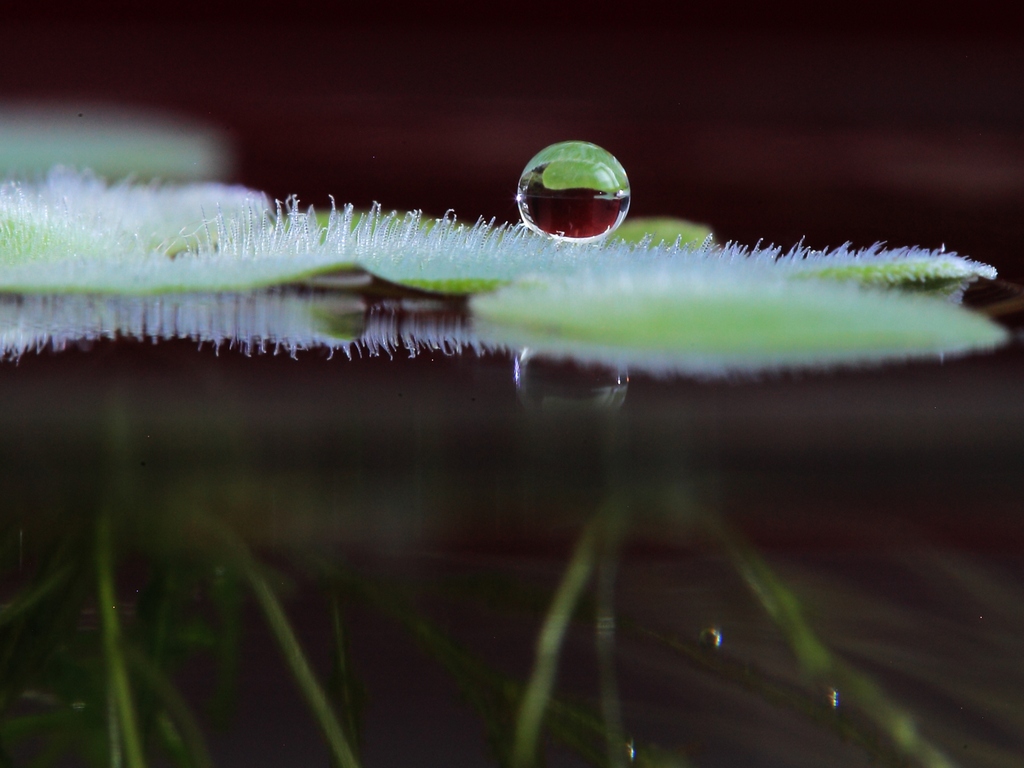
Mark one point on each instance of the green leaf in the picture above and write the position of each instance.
(666, 308)
(663, 229)
(456, 286)
(113, 141)
(717, 318)
(75, 234)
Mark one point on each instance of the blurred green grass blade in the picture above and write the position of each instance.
(180, 720)
(28, 641)
(495, 696)
(114, 743)
(604, 638)
(123, 711)
(173, 743)
(500, 593)
(226, 594)
(28, 599)
(876, 627)
(343, 685)
(538, 690)
(819, 663)
(303, 673)
(491, 694)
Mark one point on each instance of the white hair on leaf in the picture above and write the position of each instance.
(73, 232)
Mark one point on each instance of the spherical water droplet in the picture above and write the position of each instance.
(711, 637)
(575, 191)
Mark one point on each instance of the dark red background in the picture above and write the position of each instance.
(832, 122)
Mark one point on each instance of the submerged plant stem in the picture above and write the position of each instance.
(549, 644)
(28, 599)
(605, 630)
(123, 721)
(310, 688)
(343, 685)
(820, 663)
(183, 721)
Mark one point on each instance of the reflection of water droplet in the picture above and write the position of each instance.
(631, 750)
(551, 383)
(574, 191)
(711, 637)
(833, 697)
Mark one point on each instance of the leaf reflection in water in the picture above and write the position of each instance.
(258, 322)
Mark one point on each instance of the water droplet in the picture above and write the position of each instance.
(833, 697)
(573, 191)
(711, 637)
(631, 750)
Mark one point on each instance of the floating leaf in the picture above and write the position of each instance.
(74, 233)
(112, 140)
(662, 230)
(716, 318)
(72, 215)
(908, 268)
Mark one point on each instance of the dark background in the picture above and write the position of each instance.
(852, 121)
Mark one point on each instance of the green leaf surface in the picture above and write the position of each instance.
(75, 234)
(723, 318)
(112, 140)
(679, 307)
(662, 229)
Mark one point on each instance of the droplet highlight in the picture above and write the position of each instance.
(574, 191)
